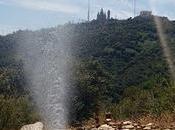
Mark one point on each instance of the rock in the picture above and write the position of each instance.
(36, 126)
(139, 127)
(155, 127)
(127, 123)
(105, 127)
(147, 128)
(128, 127)
(150, 124)
(135, 124)
(108, 120)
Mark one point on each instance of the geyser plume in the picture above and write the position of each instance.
(46, 58)
(163, 41)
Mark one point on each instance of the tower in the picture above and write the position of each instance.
(134, 6)
(108, 14)
(101, 16)
(88, 16)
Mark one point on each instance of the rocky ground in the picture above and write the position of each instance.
(110, 125)
(127, 125)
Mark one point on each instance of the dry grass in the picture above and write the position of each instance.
(163, 121)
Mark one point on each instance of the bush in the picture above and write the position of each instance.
(15, 112)
(138, 102)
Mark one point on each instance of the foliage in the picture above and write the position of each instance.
(130, 52)
(138, 101)
(15, 112)
(15, 108)
(91, 83)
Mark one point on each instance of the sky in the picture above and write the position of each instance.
(37, 14)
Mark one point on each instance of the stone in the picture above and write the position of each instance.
(139, 127)
(36, 126)
(147, 128)
(127, 123)
(149, 124)
(135, 124)
(105, 127)
(108, 120)
(128, 126)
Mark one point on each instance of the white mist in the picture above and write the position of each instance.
(46, 58)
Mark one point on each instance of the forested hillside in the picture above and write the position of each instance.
(119, 67)
(122, 67)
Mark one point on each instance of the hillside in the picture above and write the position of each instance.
(119, 67)
(129, 53)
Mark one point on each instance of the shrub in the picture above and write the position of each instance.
(15, 112)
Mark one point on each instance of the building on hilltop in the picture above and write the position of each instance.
(109, 15)
(146, 13)
(103, 16)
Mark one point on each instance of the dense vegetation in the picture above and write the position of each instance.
(124, 69)
(119, 67)
(15, 107)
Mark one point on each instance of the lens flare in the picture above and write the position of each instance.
(163, 40)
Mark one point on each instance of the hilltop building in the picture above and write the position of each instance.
(103, 16)
(109, 14)
(146, 13)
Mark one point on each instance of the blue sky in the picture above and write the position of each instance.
(36, 14)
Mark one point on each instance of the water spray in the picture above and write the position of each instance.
(46, 58)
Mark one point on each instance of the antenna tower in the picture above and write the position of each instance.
(88, 10)
(134, 8)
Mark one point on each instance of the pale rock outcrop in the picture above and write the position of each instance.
(150, 124)
(105, 127)
(147, 128)
(128, 127)
(127, 123)
(36, 126)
